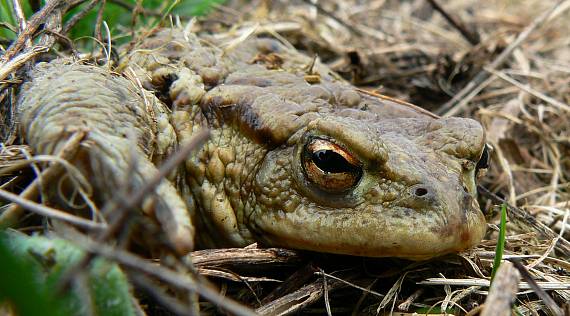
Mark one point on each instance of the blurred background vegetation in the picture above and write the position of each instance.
(116, 13)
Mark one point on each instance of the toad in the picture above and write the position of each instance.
(296, 157)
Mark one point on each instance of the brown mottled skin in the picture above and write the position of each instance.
(402, 184)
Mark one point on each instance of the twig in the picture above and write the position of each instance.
(451, 108)
(78, 16)
(400, 102)
(554, 308)
(405, 305)
(240, 256)
(326, 293)
(70, 148)
(50, 212)
(465, 293)
(63, 40)
(487, 283)
(352, 284)
(13, 64)
(99, 21)
(455, 21)
(136, 10)
(294, 281)
(52, 23)
(550, 260)
(297, 300)
(33, 25)
(235, 277)
(503, 292)
(392, 294)
(133, 8)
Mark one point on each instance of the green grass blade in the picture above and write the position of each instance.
(500, 242)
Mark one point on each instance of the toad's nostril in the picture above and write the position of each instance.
(419, 192)
(419, 197)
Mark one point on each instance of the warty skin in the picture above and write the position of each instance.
(290, 162)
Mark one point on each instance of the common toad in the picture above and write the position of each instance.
(296, 157)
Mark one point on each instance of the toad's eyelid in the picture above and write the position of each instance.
(317, 144)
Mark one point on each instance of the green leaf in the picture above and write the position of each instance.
(33, 270)
(19, 284)
(7, 19)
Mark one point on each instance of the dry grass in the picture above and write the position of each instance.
(408, 50)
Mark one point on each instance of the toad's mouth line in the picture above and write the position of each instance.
(374, 233)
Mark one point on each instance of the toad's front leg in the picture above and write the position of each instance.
(126, 126)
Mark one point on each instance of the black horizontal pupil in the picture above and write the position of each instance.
(330, 161)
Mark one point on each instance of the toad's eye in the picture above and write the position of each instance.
(483, 162)
(330, 166)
